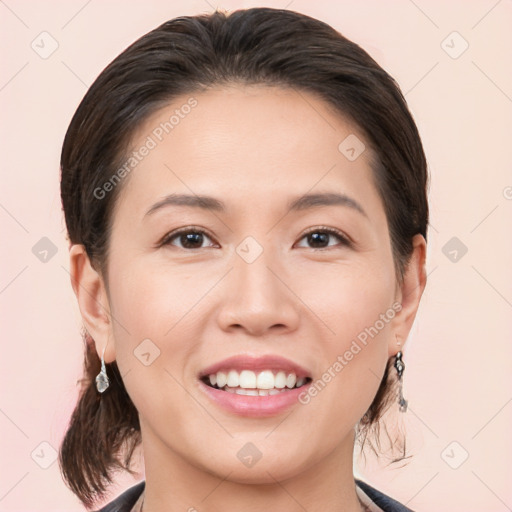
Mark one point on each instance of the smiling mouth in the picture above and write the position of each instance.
(249, 383)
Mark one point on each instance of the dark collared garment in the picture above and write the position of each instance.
(125, 501)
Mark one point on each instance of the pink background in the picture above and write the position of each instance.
(458, 356)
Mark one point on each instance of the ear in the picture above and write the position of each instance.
(93, 301)
(408, 294)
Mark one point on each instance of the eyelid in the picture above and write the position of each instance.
(185, 229)
(333, 231)
(345, 239)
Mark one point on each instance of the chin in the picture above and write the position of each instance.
(247, 464)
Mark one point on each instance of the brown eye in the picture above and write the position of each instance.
(320, 237)
(188, 238)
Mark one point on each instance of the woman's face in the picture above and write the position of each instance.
(250, 283)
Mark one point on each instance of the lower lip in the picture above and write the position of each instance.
(254, 406)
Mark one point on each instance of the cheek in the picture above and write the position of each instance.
(347, 299)
(150, 299)
(152, 323)
(150, 311)
(366, 320)
(355, 306)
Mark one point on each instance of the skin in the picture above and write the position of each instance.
(200, 305)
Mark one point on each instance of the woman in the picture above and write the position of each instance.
(245, 197)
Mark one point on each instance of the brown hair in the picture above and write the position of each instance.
(189, 54)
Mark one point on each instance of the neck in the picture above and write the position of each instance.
(173, 484)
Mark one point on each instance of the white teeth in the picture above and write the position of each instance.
(242, 391)
(233, 380)
(222, 379)
(247, 379)
(280, 380)
(253, 392)
(253, 382)
(291, 379)
(265, 380)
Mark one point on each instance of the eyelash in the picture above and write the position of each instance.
(345, 241)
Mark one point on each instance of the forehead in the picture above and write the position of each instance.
(248, 140)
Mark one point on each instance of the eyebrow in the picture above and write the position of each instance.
(303, 202)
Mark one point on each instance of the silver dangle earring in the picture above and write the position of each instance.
(400, 367)
(102, 382)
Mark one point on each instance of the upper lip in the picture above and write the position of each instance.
(256, 363)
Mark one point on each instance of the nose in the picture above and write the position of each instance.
(256, 298)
